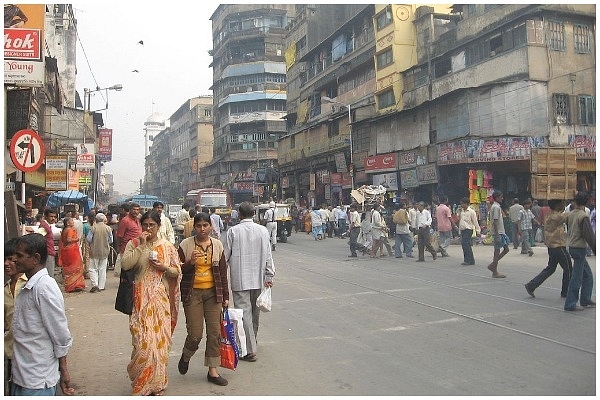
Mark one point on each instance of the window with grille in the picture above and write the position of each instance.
(556, 35)
(386, 99)
(587, 110)
(384, 59)
(384, 19)
(582, 39)
(560, 103)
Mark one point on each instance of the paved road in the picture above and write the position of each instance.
(342, 326)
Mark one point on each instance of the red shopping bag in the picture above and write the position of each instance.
(228, 345)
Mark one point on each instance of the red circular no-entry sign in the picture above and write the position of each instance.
(27, 150)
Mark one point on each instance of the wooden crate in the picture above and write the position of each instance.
(554, 161)
(553, 187)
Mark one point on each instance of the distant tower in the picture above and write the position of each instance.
(155, 124)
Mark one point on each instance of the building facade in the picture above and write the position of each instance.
(40, 95)
(331, 81)
(249, 89)
(441, 100)
(179, 151)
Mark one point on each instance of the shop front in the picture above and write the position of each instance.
(476, 167)
(585, 150)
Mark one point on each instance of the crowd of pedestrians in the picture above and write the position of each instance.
(201, 270)
(194, 273)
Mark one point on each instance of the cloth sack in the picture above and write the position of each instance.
(124, 299)
(400, 217)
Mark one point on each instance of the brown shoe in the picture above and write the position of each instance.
(251, 357)
(217, 380)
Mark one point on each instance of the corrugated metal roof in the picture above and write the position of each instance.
(253, 68)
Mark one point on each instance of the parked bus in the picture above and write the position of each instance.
(144, 200)
(211, 197)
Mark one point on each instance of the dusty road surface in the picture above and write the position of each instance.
(363, 326)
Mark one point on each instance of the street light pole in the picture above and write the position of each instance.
(87, 110)
(348, 106)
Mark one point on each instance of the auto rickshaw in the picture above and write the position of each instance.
(282, 216)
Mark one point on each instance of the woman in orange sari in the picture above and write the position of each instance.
(307, 222)
(156, 298)
(69, 258)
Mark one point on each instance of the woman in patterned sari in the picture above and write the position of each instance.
(156, 298)
(69, 258)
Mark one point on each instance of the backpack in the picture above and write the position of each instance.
(400, 217)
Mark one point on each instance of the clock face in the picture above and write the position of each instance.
(402, 13)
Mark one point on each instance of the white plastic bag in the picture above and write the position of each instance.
(264, 300)
(236, 315)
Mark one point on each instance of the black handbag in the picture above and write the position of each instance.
(124, 300)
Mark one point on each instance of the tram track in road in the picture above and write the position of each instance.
(396, 294)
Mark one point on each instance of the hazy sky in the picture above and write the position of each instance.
(173, 65)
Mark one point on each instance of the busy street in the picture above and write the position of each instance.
(402, 197)
(364, 326)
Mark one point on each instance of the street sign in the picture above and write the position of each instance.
(56, 172)
(27, 150)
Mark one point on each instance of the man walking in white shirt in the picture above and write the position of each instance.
(467, 225)
(271, 224)
(247, 250)
(354, 230)
(423, 225)
(166, 229)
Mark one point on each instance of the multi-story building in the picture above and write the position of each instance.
(180, 150)
(249, 89)
(448, 95)
(491, 83)
(331, 82)
(40, 95)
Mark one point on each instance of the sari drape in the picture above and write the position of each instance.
(152, 322)
(69, 258)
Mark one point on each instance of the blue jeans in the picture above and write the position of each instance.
(581, 279)
(21, 391)
(341, 227)
(353, 240)
(405, 239)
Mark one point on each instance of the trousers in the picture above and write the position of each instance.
(98, 272)
(246, 300)
(202, 308)
(425, 242)
(582, 280)
(405, 239)
(272, 228)
(354, 240)
(467, 245)
(556, 255)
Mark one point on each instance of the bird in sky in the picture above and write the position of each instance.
(135, 70)
(141, 42)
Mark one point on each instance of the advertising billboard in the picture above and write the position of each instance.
(23, 44)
